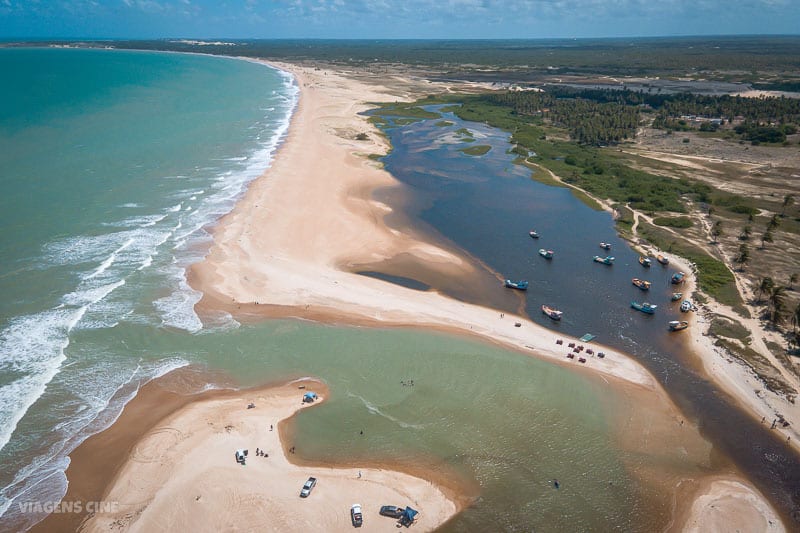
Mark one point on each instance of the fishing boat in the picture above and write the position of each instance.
(678, 325)
(678, 277)
(604, 260)
(661, 259)
(605, 245)
(642, 284)
(555, 314)
(645, 261)
(533, 234)
(676, 296)
(519, 285)
(644, 307)
(686, 306)
(547, 254)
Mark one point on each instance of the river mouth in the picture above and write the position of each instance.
(487, 205)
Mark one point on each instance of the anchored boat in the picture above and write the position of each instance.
(642, 284)
(663, 260)
(645, 261)
(678, 277)
(678, 325)
(604, 260)
(547, 254)
(676, 296)
(605, 245)
(686, 306)
(644, 307)
(533, 234)
(555, 314)
(519, 285)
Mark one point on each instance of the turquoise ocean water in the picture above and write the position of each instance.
(112, 166)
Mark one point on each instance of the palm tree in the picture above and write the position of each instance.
(777, 304)
(767, 237)
(746, 232)
(788, 200)
(744, 255)
(796, 318)
(766, 285)
(773, 223)
(716, 230)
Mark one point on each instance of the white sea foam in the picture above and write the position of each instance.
(32, 347)
(109, 261)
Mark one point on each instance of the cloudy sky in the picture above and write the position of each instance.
(375, 19)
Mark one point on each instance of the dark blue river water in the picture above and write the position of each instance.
(487, 205)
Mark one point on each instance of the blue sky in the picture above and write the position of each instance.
(374, 19)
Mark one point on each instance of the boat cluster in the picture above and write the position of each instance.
(644, 307)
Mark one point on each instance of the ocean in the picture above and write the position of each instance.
(113, 166)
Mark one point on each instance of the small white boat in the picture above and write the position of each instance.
(686, 306)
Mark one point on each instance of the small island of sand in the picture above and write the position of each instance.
(182, 475)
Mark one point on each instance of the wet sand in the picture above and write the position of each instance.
(168, 463)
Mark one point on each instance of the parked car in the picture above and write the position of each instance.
(391, 511)
(308, 487)
(355, 515)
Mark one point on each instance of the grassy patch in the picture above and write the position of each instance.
(782, 355)
(673, 222)
(713, 277)
(724, 327)
(767, 373)
(477, 150)
(444, 123)
(404, 110)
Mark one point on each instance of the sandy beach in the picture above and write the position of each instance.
(182, 474)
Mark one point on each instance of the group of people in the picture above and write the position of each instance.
(262, 453)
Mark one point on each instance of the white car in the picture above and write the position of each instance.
(356, 516)
(308, 487)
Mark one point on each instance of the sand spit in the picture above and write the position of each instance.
(182, 475)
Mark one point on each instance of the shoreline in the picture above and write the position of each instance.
(294, 272)
(168, 439)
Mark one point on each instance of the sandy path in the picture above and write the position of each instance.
(182, 476)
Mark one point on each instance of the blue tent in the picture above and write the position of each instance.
(408, 516)
(309, 396)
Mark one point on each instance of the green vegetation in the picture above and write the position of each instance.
(362, 137)
(476, 150)
(599, 172)
(411, 110)
(588, 122)
(724, 327)
(443, 123)
(768, 374)
(713, 277)
(673, 222)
